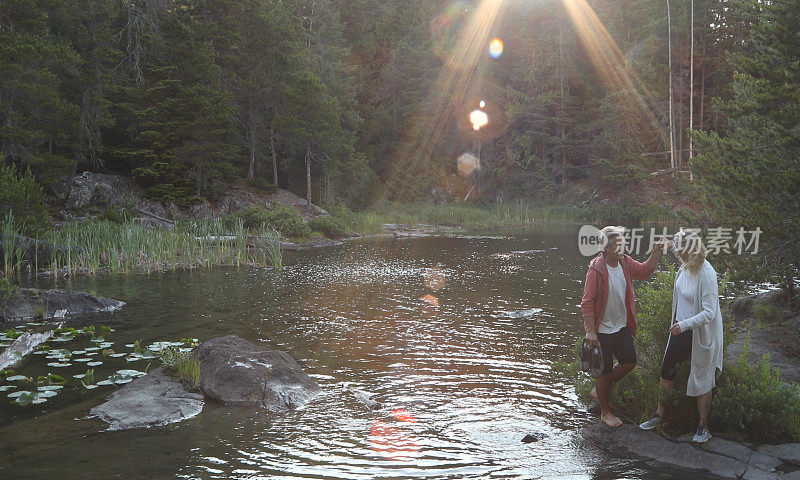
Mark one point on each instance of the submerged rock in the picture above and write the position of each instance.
(149, 401)
(32, 302)
(234, 371)
(719, 457)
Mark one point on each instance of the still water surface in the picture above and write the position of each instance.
(454, 336)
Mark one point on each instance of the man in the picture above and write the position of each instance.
(608, 306)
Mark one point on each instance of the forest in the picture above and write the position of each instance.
(360, 101)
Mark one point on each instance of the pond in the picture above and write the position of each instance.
(453, 335)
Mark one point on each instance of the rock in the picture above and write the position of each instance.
(632, 440)
(233, 371)
(753, 473)
(98, 187)
(23, 345)
(742, 453)
(530, 438)
(791, 476)
(363, 397)
(25, 305)
(788, 452)
(745, 304)
(149, 401)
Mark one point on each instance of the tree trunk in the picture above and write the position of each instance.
(671, 128)
(274, 156)
(691, 87)
(308, 179)
(252, 166)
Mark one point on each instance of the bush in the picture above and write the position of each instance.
(765, 312)
(288, 222)
(262, 185)
(7, 291)
(115, 215)
(331, 227)
(181, 365)
(754, 401)
(252, 217)
(24, 198)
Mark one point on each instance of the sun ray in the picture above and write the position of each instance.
(610, 63)
(461, 73)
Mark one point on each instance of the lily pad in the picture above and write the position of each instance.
(94, 364)
(82, 359)
(117, 355)
(7, 387)
(47, 394)
(44, 388)
(105, 382)
(15, 378)
(19, 393)
(59, 364)
(79, 375)
(90, 387)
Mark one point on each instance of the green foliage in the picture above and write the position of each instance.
(752, 399)
(252, 217)
(8, 290)
(331, 227)
(748, 168)
(288, 222)
(262, 185)
(182, 365)
(766, 312)
(115, 214)
(21, 196)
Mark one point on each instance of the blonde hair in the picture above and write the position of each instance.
(688, 239)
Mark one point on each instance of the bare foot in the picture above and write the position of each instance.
(594, 393)
(611, 420)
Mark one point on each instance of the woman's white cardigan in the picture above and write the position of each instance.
(706, 323)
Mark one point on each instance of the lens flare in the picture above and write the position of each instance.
(435, 278)
(468, 163)
(496, 48)
(478, 118)
(482, 104)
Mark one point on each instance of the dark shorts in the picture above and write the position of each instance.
(620, 345)
(679, 349)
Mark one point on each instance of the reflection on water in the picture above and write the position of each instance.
(453, 337)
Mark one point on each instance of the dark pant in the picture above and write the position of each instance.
(620, 345)
(679, 349)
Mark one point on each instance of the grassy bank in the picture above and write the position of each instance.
(498, 215)
(750, 402)
(92, 246)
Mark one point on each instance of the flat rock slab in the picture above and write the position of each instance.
(29, 300)
(719, 457)
(149, 401)
(234, 371)
(788, 452)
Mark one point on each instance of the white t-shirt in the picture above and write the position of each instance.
(686, 287)
(615, 316)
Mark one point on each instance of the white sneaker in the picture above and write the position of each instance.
(702, 435)
(652, 423)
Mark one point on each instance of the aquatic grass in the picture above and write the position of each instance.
(500, 215)
(181, 364)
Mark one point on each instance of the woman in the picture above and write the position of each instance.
(695, 331)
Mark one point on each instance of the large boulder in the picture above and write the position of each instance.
(149, 401)
(234, 371)
(32, 301)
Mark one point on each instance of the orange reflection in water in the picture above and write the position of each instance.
(391, 440)
(430, 299)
